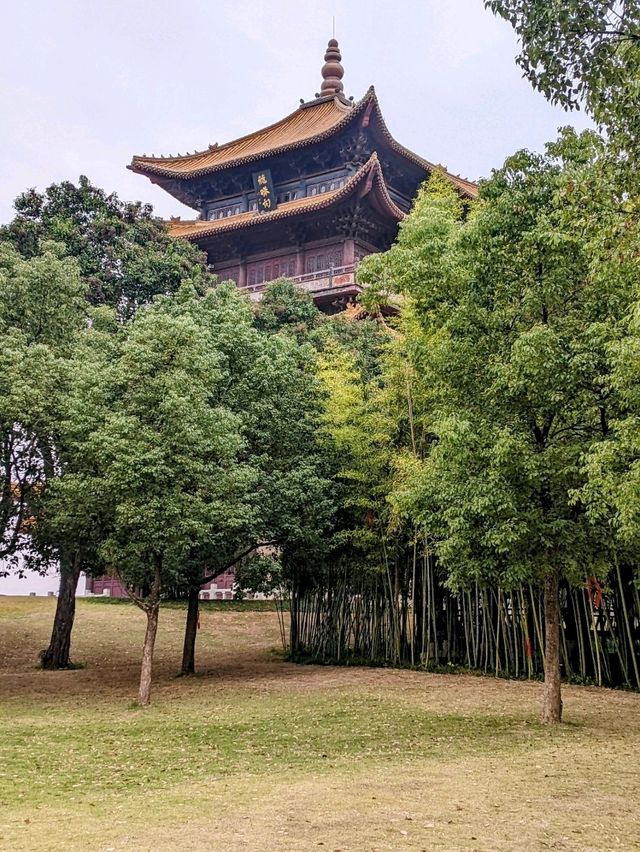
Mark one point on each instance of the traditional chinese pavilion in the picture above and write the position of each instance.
(307, 197)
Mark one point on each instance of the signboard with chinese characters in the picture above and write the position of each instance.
(265, 192)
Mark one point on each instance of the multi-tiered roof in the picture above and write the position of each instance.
(338, 175)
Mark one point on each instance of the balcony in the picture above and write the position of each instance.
(323, 285)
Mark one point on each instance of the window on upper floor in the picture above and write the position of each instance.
(326, 186)
(290, 195)
(262, 271)
(323, 261)
(226, 210)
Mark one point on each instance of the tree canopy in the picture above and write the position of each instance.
(512, 318)
(123, 251)
(42, 313)
(583, 52)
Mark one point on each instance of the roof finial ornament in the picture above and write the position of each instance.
(332, 70)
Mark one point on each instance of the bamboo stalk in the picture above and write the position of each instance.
(413, 603)
(466, 632)
(405, 615)
(596, 639)
(436, 655)
(579, 636)
(498, 621)
(524, 615)
(616, 644)
(626, 619)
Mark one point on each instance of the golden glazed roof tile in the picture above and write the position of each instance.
(306, 124)
(364, 180)
(310, 123)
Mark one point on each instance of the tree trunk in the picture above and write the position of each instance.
(144, 695)
(190, 633)
(56, 656)
(552, 707)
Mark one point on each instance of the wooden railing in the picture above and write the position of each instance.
(309, 277)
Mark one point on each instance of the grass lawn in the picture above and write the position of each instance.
(257, 754)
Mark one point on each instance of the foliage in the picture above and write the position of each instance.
(124, 253)
(583, 51)
(187, 437)
(590, 52)
(272, 386)
(356, 423)
(262, 573)
(285, 307)
(69, 515)
(42, 315)
(612, 488)
(499, 383)
(164, 452)
(518, 320)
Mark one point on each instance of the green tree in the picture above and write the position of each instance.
(164, 459)
(124, 257)
(358, 423)
(124, 252)
(611, 491)
(517, 322)
(330, 462)
(583, 52)
(69, 517)
(286, 307)
(271, 386)
(43, 314)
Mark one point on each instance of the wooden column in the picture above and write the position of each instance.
(299, 261)
(242, 273)
(349, 255)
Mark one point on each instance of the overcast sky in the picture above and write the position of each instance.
(85, 84)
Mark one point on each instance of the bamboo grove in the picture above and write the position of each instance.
(408, 617)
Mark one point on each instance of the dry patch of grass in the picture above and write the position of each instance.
(257, 754)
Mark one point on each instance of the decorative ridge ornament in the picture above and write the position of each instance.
(332, 70)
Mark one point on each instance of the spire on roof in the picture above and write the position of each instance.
(332, 70)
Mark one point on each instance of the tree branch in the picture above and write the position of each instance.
(236, 559)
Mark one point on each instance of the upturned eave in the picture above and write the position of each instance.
(367, 181)
(310, 124)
